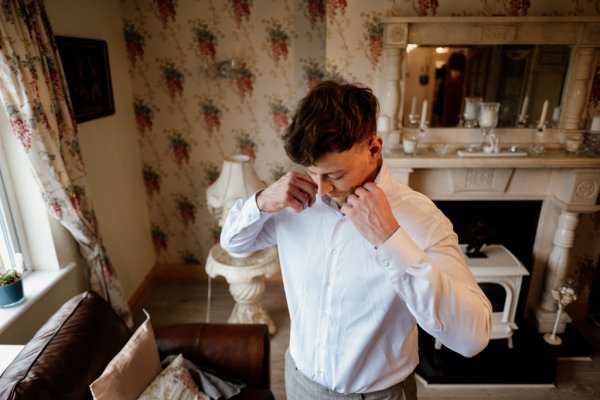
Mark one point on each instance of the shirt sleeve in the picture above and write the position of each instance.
(439, 289)
(247, 229)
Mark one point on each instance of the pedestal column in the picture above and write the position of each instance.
(577, 89)
(558, 262)
(394, 53)
(246, 282)
(392, 98)
(575, 192)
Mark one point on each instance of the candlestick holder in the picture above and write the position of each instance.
(537, 144)
(413, 120)
(564, 295)
(488, 119)
(523, 121)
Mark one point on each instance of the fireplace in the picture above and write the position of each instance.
(532, 205)
(511, 223)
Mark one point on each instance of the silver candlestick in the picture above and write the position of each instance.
(564, 295)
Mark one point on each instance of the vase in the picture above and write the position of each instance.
(11, 294)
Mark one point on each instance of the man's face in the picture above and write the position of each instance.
(337, 175)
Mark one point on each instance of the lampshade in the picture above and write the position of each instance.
(237, 180)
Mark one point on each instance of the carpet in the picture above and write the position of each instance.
(531, 361)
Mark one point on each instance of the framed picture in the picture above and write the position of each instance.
(85, 62)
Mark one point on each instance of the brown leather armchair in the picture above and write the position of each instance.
(240, 351)
(74, 346)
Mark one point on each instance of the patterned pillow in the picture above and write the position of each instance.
(173, 383)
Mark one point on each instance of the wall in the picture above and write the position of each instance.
(189, 119)
(109, 146)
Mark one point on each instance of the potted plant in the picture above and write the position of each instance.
(11, 288)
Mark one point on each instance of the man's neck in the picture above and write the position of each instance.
(373, 175)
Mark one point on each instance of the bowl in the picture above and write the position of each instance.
(442, 149)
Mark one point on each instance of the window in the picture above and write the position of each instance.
(10, 246)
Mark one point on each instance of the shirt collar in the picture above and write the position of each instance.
(383, 180)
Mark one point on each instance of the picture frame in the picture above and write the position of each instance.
(87, 70)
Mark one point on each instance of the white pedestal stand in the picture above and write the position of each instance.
(246, 282)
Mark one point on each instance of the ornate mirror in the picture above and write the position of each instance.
(520, 62)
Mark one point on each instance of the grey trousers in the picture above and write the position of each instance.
(299, 387)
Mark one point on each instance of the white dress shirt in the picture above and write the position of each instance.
(354, 309)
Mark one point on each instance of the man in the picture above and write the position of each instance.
(363, 257)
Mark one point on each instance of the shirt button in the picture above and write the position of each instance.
(334, 251)
(320, 372)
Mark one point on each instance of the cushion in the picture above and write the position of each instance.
(132, 369)
(77, 341)
(173, 383)
(211, 383)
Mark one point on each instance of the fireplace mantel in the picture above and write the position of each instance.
(553, 159)
(567, 186)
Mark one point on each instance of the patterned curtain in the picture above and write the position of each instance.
(34, 94)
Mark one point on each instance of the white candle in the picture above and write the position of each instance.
(413, 106)
(486, 118)
(556, 114)
(524, 109)
(543, 116)
(383, 123)
(424, 115)
(595, 124)
(470, 111)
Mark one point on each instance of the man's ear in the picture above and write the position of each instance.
(375, 147)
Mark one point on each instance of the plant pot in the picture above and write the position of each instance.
(11, 294)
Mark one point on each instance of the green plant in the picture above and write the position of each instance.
(8, 277)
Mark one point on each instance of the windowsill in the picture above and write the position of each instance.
(35, 285)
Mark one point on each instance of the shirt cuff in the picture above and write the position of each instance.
(399, 253)
(248, 211)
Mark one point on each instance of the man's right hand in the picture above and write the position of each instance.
(294, 190)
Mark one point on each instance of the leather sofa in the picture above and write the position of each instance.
(74, 346)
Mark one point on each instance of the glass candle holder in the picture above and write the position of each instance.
(410, 143)
(488, 115)
(471, 112)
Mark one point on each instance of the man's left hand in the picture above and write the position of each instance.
(369, 210)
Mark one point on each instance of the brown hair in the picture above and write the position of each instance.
(332, 117)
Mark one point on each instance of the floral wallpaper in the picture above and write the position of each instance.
(189, 118)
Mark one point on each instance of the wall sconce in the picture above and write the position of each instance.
(228, 68)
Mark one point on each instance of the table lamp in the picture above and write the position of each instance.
(237, 180)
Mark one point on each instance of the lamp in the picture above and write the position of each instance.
(564, 295)
(244, 272)
(237, 180)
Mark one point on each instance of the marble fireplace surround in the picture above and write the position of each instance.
(567, 185)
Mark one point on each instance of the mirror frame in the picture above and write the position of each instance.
(582, 33)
